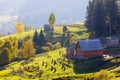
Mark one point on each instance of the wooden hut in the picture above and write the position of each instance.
(89, 48)
(71, 50)
(47, 27)
(112, 42)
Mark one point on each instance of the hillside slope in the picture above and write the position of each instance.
(82, 32)
(53, 65)
(49, 64)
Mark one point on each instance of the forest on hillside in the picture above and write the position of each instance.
(103, 18)
(50, 52)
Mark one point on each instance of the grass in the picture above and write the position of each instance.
(22, 35)
(72, 70)
(82, 32)
(56, 55)
(75, 70)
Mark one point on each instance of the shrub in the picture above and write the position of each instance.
(57, 46)
(45, 49)
(74, 39)
(49, 44)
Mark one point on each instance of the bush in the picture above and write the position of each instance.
(45, 49)
(49, 44)
(74, 39)
(57, 46)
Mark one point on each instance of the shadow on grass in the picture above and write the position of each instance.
(81, 32)
(94, 65)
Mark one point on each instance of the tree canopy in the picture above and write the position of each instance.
(52, 20)
(103, 18)
(28, 49)
(19, 27)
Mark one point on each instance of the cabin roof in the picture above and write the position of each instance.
(46, 26)
(90, 45)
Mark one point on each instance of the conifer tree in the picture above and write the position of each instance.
(35, 38)
(68, 36)
(103, 18)
(42, 40)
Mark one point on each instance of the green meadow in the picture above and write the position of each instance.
(54, 65)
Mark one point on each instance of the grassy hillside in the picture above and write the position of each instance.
(50, 66)
(82, 32)
(54, 66)
(16, 70)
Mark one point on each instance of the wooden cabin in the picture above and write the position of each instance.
(71, 50)
(112, 42)
(47, 27)
(89, 48)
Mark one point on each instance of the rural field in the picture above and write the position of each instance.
(54, 65)
(80, 30)
(60, 40)
(49, 66)
(51, 59)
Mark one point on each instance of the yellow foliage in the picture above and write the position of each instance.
(28, 49)
(19, 27)
(0, 34)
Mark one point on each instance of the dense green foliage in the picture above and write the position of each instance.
(103, 18)
(8, 50)
(35, 37)
(57, 46)
(39, 41)
(42, 39)
(65, 39)
(52, 20)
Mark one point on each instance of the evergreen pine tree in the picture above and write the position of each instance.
(68, 36)
(103, 18)
(42, 39)
(89, 16)
(35, 38)
(63, 38)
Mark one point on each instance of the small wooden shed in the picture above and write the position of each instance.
(71, 50)
(89, 48)
(112, 42)
(47, 27)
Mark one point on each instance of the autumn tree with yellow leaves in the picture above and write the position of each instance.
(19, 27)
(0, 34)
(28, 50)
